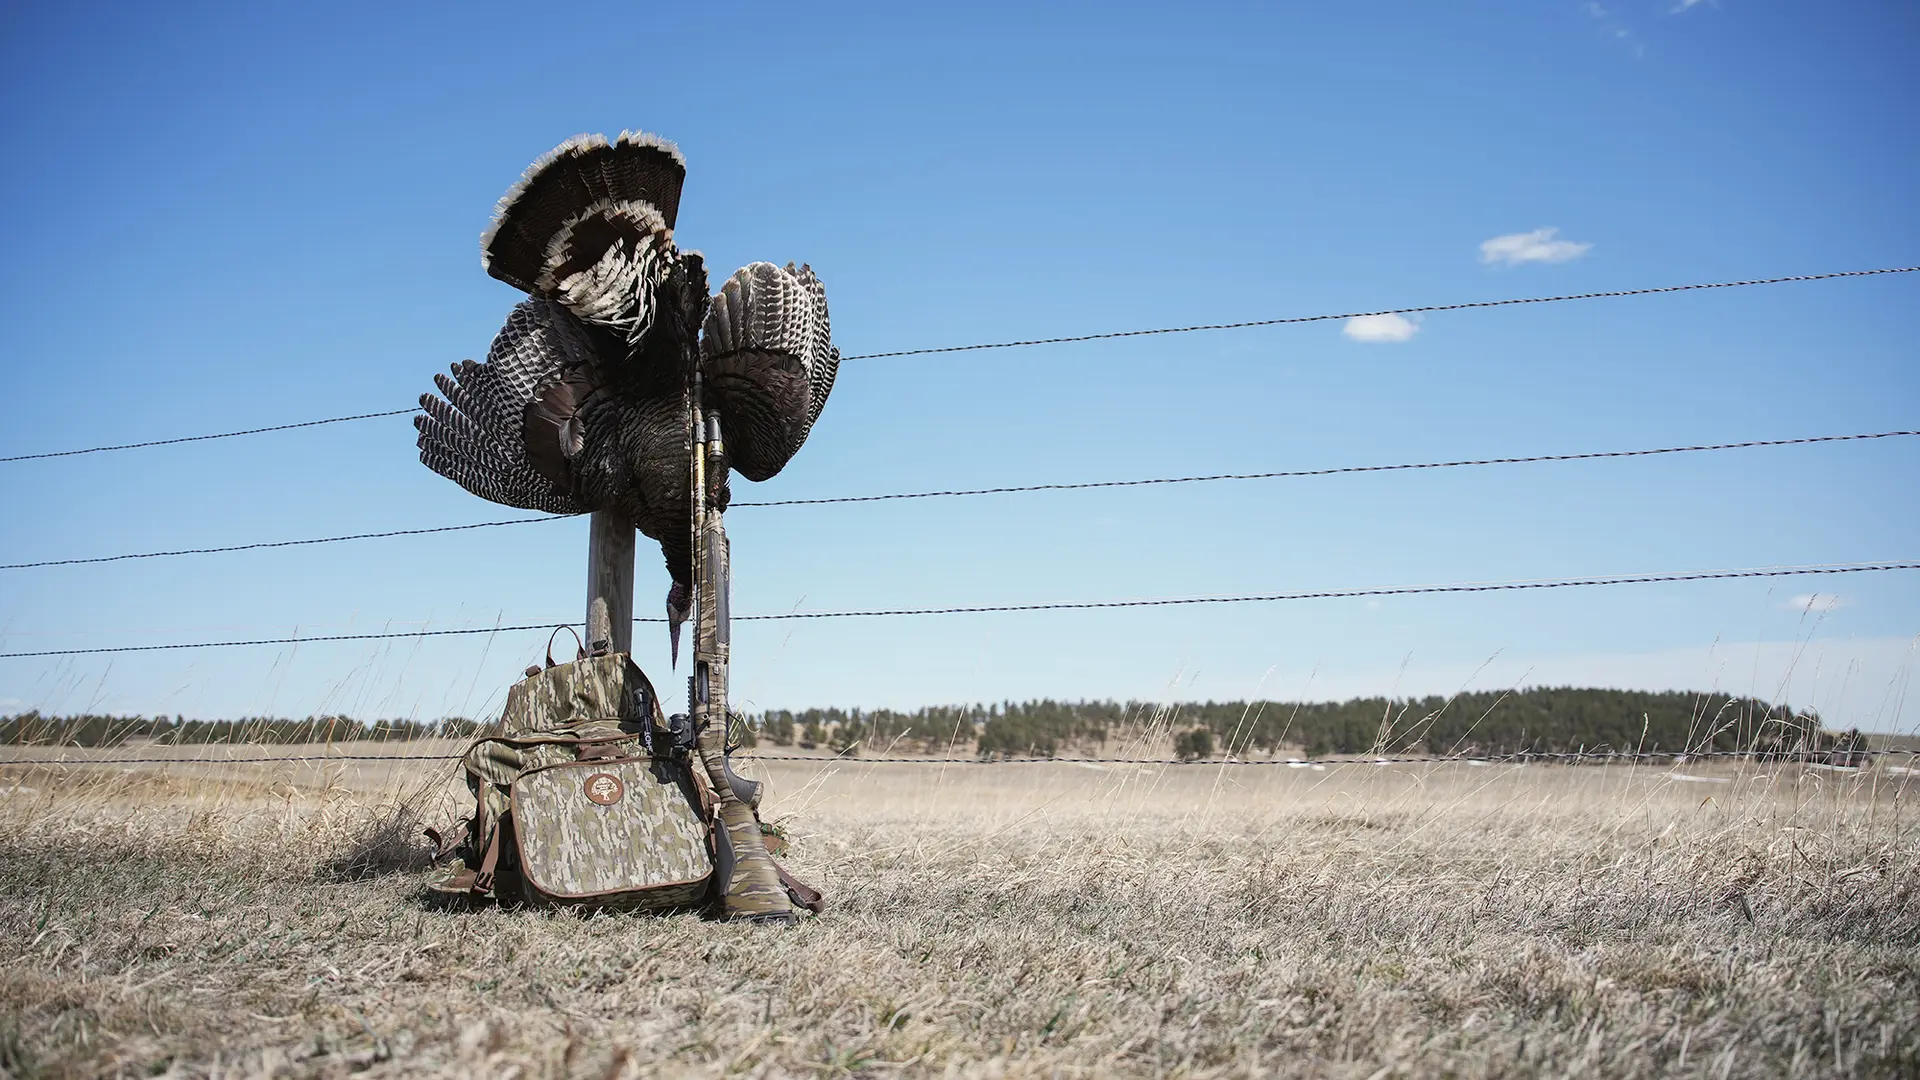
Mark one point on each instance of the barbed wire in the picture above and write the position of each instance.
(959, 492)
(265, 760)
(1337, 594)
(1802, 757)
(1069, 605)
(1343, 470)
(278, 543)
(318, 638)
(1106, 336)
(1425, 309)
(205, 438)
(1797, 757)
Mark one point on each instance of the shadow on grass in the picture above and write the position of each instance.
(388, 843)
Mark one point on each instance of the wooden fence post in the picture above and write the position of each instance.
(610, 547)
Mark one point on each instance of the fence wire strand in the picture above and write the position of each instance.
(205, 438)
(1344, 470)
(277, 543)
(1107, 336)
(1425, 309)
(1070, 605)
(1813, 757)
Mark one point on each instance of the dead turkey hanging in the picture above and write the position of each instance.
(581, 405)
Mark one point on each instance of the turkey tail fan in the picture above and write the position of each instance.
(584, 170)
(767, 363)
(605, 262)
(477, 436)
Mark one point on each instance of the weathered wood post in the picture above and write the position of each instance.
(610, 545)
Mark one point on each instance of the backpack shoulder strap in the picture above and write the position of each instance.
(483, 877)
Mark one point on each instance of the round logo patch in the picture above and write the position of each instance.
(604, 788)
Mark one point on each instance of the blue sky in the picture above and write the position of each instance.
(226, 217)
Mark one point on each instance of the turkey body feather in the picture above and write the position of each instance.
(582, 403)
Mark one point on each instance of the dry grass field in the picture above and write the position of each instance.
(1019, 920)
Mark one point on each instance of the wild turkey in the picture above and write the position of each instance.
(581, 405)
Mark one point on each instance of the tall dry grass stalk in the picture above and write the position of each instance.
(1012, 920)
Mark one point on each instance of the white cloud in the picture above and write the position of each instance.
(1611, 25)
(1536, 246)
(1816, 603)
(1381, 328)
(1685, 5)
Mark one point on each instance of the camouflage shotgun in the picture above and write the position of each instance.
(755, 891)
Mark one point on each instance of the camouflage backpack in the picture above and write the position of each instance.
(590, 796)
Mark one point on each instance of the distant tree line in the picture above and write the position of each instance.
(849, 731)
(1542, 720)
(1545, 719)
(31, 728)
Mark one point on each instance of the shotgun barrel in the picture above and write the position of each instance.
(755, 892)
